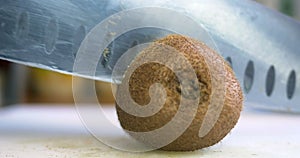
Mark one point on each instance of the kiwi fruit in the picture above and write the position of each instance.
(150, 73)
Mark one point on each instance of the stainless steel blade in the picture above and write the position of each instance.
(261, 44)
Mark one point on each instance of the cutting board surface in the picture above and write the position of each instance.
(57, 132)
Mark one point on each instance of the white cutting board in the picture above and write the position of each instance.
(57, 132)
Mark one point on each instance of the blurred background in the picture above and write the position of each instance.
(21, 84)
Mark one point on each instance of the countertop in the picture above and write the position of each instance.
(57, 132)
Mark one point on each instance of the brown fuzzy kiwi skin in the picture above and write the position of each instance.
(150, 73)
